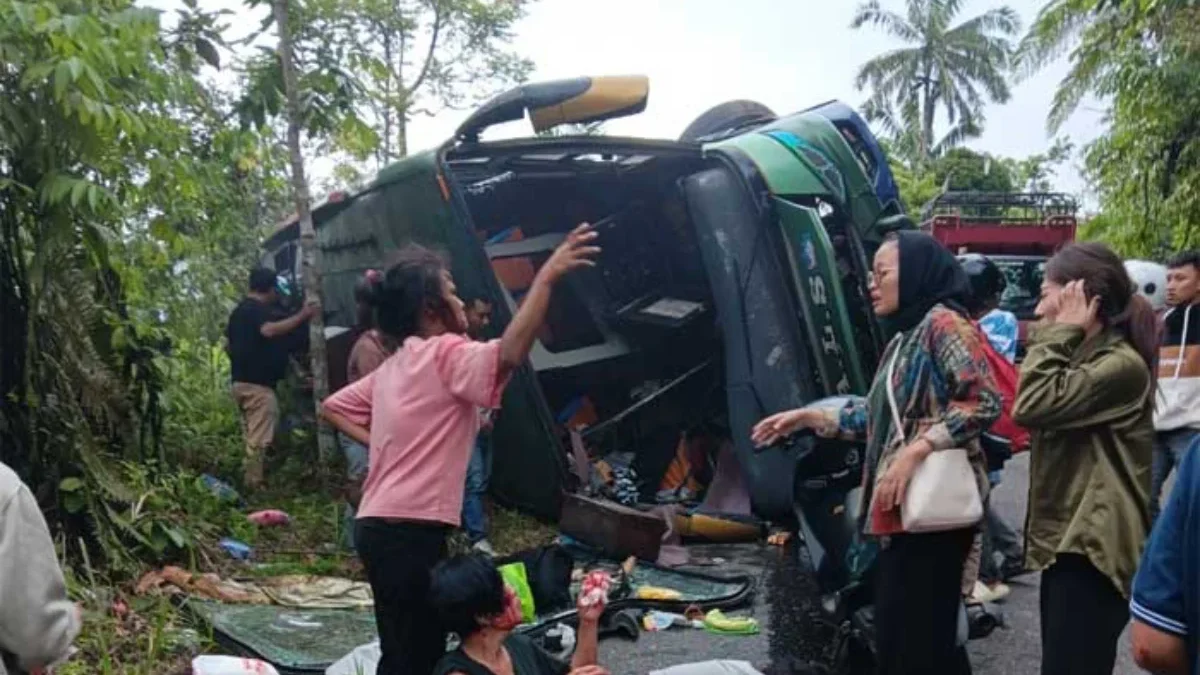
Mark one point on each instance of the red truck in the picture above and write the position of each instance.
(1018, 231)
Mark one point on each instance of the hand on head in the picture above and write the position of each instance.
(1074, 307)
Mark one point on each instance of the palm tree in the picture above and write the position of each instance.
(903, 131)
(955, 67)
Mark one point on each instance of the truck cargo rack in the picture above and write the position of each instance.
(1025, 223)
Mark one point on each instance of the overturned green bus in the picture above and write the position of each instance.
(732, 283)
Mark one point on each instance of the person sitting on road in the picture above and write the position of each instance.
(472, 601)
(948, 398)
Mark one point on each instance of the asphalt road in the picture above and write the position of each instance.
(783, 607)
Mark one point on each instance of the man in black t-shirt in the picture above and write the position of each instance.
(259, 359)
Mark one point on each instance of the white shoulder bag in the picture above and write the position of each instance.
(942, 493)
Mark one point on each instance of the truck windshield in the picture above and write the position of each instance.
(1024, 276)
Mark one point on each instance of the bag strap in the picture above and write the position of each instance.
(891, 391)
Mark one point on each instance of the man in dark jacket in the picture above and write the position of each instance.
(259, 359)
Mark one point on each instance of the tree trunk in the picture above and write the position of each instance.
(309, 269)
(928, 113)
(15, 435)
(401, 134)
(387, 100)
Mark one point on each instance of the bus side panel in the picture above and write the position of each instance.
(766, 366)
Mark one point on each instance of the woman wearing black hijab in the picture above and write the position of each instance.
(947, 398)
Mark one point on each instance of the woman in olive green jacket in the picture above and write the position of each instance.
(1086, 395)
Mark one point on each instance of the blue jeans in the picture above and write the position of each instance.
(1169, 447)
(998, 538)
(479, 471)
(357, 462)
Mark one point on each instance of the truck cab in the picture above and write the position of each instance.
(1017, 231)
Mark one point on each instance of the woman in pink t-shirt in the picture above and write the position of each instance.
(419, 414)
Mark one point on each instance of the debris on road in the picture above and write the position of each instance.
(655, 621)
(717, 622)
(269, 518)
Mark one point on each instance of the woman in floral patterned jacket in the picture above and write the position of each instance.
(947, 399)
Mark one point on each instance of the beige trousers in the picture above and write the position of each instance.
(260, 414)
(971, 568)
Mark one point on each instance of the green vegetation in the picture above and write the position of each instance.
(1143, 56)
(143, 156)
(953, 69)
(956, 68)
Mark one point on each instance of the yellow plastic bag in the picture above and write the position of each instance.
(656, 593)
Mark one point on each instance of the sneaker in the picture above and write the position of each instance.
(982, 593)
(978, 593)
(998, 592)
(485, 547)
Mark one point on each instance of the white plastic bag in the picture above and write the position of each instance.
(709, 668)
(363, 659)
(230, 665)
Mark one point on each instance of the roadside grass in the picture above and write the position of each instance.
(126, 634)
(513, 531)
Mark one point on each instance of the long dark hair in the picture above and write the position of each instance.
(1121, 307)
(364, 300)
(411, 286)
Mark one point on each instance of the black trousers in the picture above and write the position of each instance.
(1083, 615)
(917, 599)
(398, 558)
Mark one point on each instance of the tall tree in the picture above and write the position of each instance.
(434, 54)
(956, 68)
(963, 169)
(1035, 172)
(1142, 57)
(310, 266)
(88, 93)
(1098, 34)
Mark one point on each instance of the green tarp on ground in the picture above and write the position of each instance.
(310, 640)
(293, 640)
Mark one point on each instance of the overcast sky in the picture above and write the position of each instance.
(787, 54)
